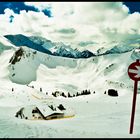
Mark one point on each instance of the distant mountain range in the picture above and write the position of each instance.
(60, 49)
(46, 46)
(28, 64)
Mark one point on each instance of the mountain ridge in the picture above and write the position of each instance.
(45, 46)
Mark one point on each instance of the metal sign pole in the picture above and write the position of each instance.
(134, 74)
(133, 107)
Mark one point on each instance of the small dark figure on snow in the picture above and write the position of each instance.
(77, 94)
(69, 95)
(12, 89)
(61, 107)
(51, 106)
(63, 95)
(54, 94)
(89, 92)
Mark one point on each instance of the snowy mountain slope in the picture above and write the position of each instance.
(5, 44)
(67, 51)
(70, 74)
(60, 49)
(96, 115)
(6, 51)
(22, 40)
(65, 73)
(120, 49)
(115, 47)
(47, 46)
(42, 41)
(29, 66)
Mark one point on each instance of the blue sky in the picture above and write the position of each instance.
(17, 6)
(133, 6)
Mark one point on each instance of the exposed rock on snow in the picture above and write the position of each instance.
(17, 56)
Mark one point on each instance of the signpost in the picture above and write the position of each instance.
(134, 74)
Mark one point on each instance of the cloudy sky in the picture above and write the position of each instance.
(72, 21)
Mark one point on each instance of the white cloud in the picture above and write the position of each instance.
(99, 12)
(58, 9)
(90, 21)
(24, 23)
(87, 12)
(131, 24)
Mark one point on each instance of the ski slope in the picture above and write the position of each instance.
(96, 115)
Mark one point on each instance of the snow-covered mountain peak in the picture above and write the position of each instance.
(28, 61)
(47, 46)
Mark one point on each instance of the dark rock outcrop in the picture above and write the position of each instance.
(17, 56)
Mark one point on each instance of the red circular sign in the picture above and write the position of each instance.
(134, 71)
